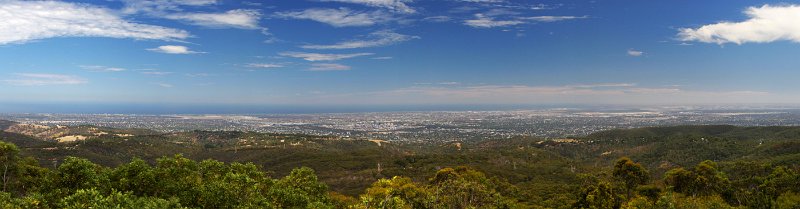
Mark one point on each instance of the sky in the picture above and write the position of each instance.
(399, 52)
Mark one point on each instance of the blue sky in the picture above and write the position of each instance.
(399, 52)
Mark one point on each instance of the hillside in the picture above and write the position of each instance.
(545, 173)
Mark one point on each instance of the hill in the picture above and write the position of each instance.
(535, 172)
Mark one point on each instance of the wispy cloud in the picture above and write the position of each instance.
(484, 21)
(178, 10)
(240, 18)
(35, 79)
(635, 53)
(321, 57)
(394, 5)
(264, 65)
(196, 75)
(161, 6)
(342, 17)
(174, 49)
(328, 67)
(25, 21)
(553, 18)
(99, 68)
(440, 18)
(544, 6)
(490, 20)
(375, 39)
(164, 85)
(156, 73)
(766, 24)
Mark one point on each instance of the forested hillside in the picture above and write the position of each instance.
(662, 167)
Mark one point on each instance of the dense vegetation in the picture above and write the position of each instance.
(669, 167)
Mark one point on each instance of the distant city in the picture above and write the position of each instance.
(433, 125)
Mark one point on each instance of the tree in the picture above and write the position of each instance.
(9, 154)
(599, 196)
(781, 180)
(463, 187)
(300, 189)
(77, 173)
(397, 192)
(677, 201)
(704, 179)
(681, 180)
(630, 173)
(30, 176)
(709, 179)
(788, 200)
(178, 176)
(136, 176)
(91, 198)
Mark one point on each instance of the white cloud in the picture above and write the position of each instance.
(328, 67)
(164, 85)
(380, 38)
(440, 18)
(395, 5)
(23, 21)
(99, 68)
(156, 73)
(160, 6)
(174, 10)
(766, 24)
(341, 17)
(34, 79)
(635, 53)
(488, 20)
(240, 18)
(449, 83)
(382, 58)
(264, 65)
(553, 18)
(321, 57)
(195, 75)
(484, 21)
(173, 49)
(544, 6)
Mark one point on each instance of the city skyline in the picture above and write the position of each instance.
(398, 52)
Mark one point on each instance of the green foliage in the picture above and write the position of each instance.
(462, 187)
(788, 200)
(650, 192)
(136, 176)
(781, 180)
(704, 179)
(670, 201)
(397, 192)
(632, 174)
(92, 198)
(670, 171)
(599, 196)
(9, 155)
(300, 189)
(673, 201)
(173, 183)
